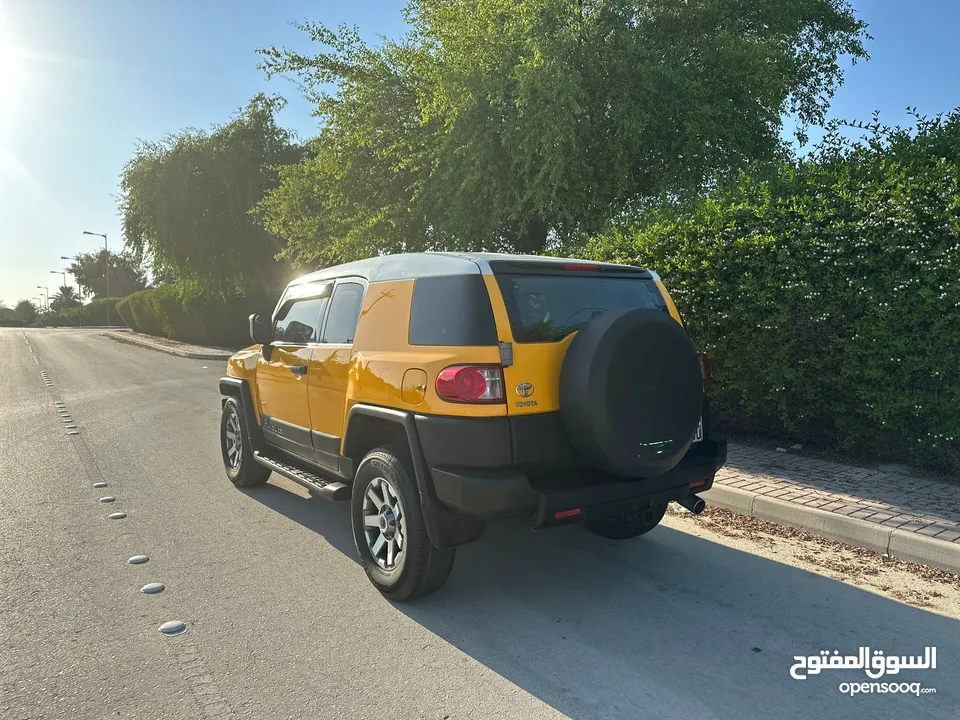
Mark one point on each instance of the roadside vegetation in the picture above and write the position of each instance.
(822, 286)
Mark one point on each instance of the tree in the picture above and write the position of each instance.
(26, 311)
(126, 273)
(186, 202)
(65, 299)
(825, 291)
(520, 124)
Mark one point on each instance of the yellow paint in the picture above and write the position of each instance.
(669, 301)
(243, 365)
(414, 386)
(283, 395)
(327, 387)
(376, 375)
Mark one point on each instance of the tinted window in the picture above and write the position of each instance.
(299, 322)
(343, 315)
(451, 310)
(547, 308)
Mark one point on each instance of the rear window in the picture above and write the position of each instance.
(547, 308)
(451, 310)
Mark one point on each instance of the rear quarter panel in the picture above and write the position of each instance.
(382, 355)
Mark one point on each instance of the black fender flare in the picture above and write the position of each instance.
(445, 528)
(240, 389)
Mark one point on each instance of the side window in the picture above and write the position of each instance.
(451, 310)
(299, 323)
(344, 313)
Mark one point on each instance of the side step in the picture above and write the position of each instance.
(327, 489)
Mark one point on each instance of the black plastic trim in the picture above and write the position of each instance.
(290, 437)
(444, 527)
(500, 493)
(326, 450)
(539, 266)
(472, 441)
(236, 387)
(325, 443)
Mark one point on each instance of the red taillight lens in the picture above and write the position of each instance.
(471, 383)
(704, 366)
(581, 267)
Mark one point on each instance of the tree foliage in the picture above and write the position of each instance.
(522, 124)
(26, 311)
(186, 199)
(65, 299)
(126, 273)
(827, 294)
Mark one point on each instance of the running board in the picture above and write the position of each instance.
(327, 489)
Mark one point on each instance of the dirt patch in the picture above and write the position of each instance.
(911, 583)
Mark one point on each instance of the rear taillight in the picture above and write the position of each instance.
(704, 366)
(581, 267)
(471, 384)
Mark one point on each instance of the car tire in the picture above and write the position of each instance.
(623, 527)
(631, 392)
(238, 461)
(385, 493)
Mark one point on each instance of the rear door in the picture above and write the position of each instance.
(544, 303)
(282, 379)
(330, 371)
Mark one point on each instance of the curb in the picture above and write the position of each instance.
(165, 349)
(900, 544)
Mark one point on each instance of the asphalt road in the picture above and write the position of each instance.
(282, 623)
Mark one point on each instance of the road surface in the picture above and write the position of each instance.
(282, 623)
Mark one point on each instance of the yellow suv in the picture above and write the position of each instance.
(440, 391)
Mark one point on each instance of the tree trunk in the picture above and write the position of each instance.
(532, 236)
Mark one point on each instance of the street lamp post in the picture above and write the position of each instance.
(79, 288)
(60, 272)
(106, 265)
(47, 290)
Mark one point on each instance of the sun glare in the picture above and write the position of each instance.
(11, 76)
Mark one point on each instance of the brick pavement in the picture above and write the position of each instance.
(914, 504)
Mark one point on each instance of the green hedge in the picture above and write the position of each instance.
(828, 294)
(217, 321)
(93, 313)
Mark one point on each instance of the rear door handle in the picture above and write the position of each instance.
(298, 369)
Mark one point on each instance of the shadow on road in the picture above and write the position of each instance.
(668, 625)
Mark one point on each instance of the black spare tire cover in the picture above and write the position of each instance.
(631, 392)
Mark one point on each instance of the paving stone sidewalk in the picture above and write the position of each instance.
(910, 517)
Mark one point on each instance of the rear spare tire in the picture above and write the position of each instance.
(631, 392)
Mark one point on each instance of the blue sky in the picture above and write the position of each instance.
(82, 80)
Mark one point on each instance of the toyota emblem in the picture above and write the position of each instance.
(524, 389)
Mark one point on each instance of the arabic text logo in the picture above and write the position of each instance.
(875, 665)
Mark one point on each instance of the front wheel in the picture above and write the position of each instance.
(389, 531)
(623, 527)
(238, 461)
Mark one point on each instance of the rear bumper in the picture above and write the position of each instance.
(491, 493)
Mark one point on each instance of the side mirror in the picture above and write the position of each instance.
(261, 329)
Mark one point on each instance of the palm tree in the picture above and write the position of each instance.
(64, 299)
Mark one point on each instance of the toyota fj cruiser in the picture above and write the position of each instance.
(440, 391)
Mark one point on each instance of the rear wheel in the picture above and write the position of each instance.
(238, 461)
(389, 531)
(622, 527)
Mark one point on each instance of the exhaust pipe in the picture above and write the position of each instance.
(693, 503)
